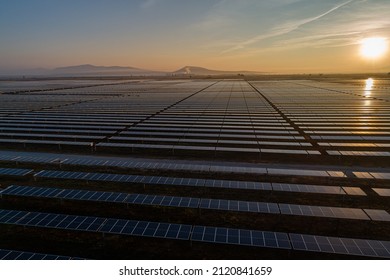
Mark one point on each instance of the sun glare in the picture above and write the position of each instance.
(373, 47)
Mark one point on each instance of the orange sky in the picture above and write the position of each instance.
(281, 36)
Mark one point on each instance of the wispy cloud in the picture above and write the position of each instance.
(331, 39)
(283, 29)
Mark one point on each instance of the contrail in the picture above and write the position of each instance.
(324, 14)
(284, 29)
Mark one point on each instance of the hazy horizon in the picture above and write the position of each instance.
(281, 36)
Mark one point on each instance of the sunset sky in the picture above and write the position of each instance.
(281, 36)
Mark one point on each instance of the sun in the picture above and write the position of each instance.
(373, 47)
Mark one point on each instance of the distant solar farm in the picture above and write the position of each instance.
(195, 169)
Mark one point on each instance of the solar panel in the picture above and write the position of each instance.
(337, 245)
(95, 224)
(323, 211)
(8, 157)
(362, 175)
(10, 216)
(296, 172)
(284, 151)
(307, 188)
(378, 215)
(240, 206)
(15, 171)
(19, 255)
(240, 237)
(364, 153)
(382, 191)
(380, 175)
(91, 224)
(339, 174)
(113, 225)
(354, 191)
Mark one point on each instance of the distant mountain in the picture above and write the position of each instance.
(195, 70)
(85, 70)
(92, 70)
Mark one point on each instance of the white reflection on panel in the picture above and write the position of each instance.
(368, 87)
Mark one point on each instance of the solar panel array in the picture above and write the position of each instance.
(305, 153)
(267, 117)
(179, 116)
(84, 116)
(224, 117)
(342, 119)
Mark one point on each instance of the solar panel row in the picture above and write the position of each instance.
(146, 127)
(202, 203)
(183, 140)
(349, 246)
(42, 136)
(47, 142)
(222, 136)
(174, 148)
(103, 123)
(310, 188)
(57, 125)
(148, 164)
(72, 194)
(241, 237)
(372, 175)
(203, 182)
(242, 206)
(338, 245)
(95, 224)
(19, 255)
(193, 182)
(359, 153)
(56, 131)
(189, 181)
(322, 211)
